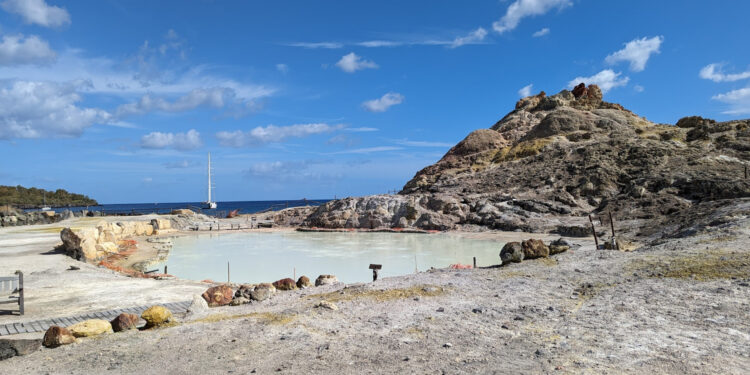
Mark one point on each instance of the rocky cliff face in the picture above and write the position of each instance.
(557, 158)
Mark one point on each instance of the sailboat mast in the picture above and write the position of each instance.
(209, 178)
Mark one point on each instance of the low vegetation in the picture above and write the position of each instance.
(23, 197)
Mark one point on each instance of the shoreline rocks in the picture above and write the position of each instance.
(124, 322)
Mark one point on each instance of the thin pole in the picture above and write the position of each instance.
(593, 230)
(227, 271)
(295, 273)
(165, 269)
(475, 262)
(416, 269)
(612, 223)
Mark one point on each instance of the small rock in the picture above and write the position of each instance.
(124, 322)
(533, 248)
(327, 305)
(519, 318)
(512, 252)
(447, 345)
(56, 336)
(326, 280)
(74, 268)
(91, 327)
(156, 316)
(198, 305)
(477, 310)
(440, 309)
(285, 284)
(12, 348)
(262, 292)
(218, 295)
(237, 301)
(303, 282)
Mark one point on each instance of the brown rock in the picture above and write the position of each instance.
(218, 295)
(326, 280)
(580, 90)
(124, 322)
(262, 292)
(534, 249)
(303, 282)
(285, 284)
(56, 336)
(512, 252)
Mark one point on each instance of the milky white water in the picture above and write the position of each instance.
(270, 256)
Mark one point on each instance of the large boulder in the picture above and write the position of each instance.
(56, 336)
(262, 292)
(156, 316)
(694, 121)
(12, 348)
(303, 282)
(91, 327)
(80, 243)
(218, 295)
(512, 252)
(534, 249)
(326, 280)
(124, 322)
(285, 284)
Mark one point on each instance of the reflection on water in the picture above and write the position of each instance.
(265, 257)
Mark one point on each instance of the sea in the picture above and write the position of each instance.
(223, 208)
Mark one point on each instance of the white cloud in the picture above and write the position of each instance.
(361, 129)
(606, 80)
(283, 68)
(379, 43)
(272, 133)
(178, 141)
(540, 33)
(738, 100)
(526, 90)
(38, 12)
(182, 164)
(324, 45)
(521, 9)
(638, 88)
(351, 63)
(636, 52)
(383, 103)
(406, 142)
(714, 73)
(17, 49)
(475, 36)
(32, 109)
(217, 97)
(369, 150)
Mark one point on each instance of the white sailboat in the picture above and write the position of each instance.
(209, 204)
(44, 202)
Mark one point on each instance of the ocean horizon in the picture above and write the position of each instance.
(244, 207)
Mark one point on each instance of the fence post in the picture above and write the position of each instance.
(593, 231)
(20, 292)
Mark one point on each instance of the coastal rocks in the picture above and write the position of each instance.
(198, 305)
(218, 295)
(92, 244)
(124, 322)
(262, 292)
(244, 290)
(326, 305)
(285, 284)
(326, 280)
(56, 336)
(91, 327)
(18, 347)
(533, 248)
(303, 282)
(512, 252)
(156, 316)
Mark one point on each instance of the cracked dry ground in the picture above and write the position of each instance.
(679, 307)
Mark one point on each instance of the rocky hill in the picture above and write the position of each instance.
(22, 197)
(555, 159)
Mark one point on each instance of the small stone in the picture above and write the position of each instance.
(477, 310)
(327, 305)
(56, 336)
(156, 316)
(326, 280)
(440, 309)
(303, 282)
(124, 322)
(447, 345)
(519, 318)
(91, 327)
(218, 295)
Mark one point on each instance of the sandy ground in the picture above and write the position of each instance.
(682, 306)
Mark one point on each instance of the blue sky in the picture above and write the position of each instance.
(121, 100)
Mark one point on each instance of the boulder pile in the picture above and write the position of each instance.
(515, 252)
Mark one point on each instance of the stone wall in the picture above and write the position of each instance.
(90, 244)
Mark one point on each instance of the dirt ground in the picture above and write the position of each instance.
(682, 306)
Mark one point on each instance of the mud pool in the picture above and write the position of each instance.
(266, 257)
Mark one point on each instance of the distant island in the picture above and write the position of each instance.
(22, 197)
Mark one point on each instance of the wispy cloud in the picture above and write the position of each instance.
(283, 68)
(351, 63)
(474, 37)
(18, 49)
(636, 52)
(324, 45)
(368, 150)
(606, 80)
(541, 33)
(526, 90)
(178, 141)
(38, 12)
(714, 72)
(521, 9)
(738, 100)
(272, 133)
(361, 129)
(383, 103)
(182, 164)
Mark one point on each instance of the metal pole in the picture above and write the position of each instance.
(612, 224)
(475, 262)
(227, 271)
(593, 231)
(20, 292)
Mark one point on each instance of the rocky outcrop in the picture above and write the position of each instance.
(56, 336)
(218, 295)
(91, 244)
(555, 159)
(91, 327)
(124, 322)
(156, 316)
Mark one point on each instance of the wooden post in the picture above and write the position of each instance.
(228, 272)
(612, 224)
(165, 269)
(593, 231)
(20, 292)
(475, 262)
(375, 268)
